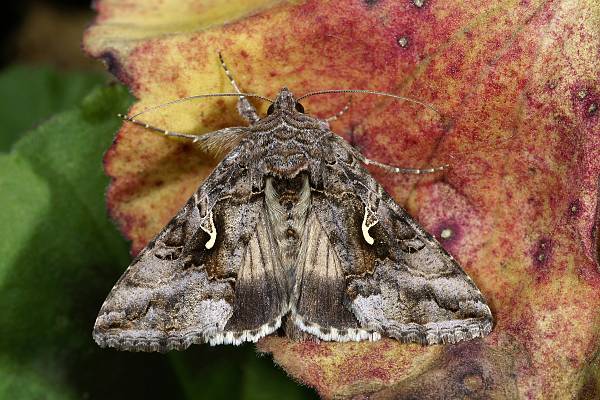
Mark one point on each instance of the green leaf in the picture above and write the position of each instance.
(32, 94)
(234, 373)
(21, 383)
(263, 382)
(60, 257)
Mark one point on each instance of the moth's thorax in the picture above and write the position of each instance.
(286, 143)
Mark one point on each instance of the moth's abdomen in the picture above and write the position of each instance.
(287, 202)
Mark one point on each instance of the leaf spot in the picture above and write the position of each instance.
(542, 252)
(575, 208)
(446, 233)
(449, 232)
(403, 41)
(473, 382)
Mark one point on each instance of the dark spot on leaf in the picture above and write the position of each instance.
(448, 232)
(115, 67)
(574, 209)
(586, 101)
(590, 388)
(472, 382)
(371, 3)
(403, 41)
(447, 123)
(185, 148)
(453, 69)
(541, 255)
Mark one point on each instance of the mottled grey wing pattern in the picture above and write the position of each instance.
(289, 222)
(211, 275)
(394, 277)
(320, 302)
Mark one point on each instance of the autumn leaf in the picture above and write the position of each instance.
(517, 84)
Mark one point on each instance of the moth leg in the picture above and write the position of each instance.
(339, 113)
(391, 168)
(245, 108)
(401, 170)
(216, 143)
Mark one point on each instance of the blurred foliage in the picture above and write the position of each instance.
(61, 255)
(32, 94)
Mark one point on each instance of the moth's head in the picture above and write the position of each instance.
(285, 101)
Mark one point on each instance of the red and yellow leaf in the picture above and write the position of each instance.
(518, 85)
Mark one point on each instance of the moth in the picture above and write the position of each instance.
(291, 231)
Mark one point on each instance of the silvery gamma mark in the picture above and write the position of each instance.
(289, 229)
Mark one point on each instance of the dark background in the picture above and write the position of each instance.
(48, 308)
(45, 32)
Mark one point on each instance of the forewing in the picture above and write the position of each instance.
(399, 281)
(418, 293)
(320, 303)
(200, 279)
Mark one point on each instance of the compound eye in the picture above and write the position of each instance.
(271, 109)
(299, 107)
